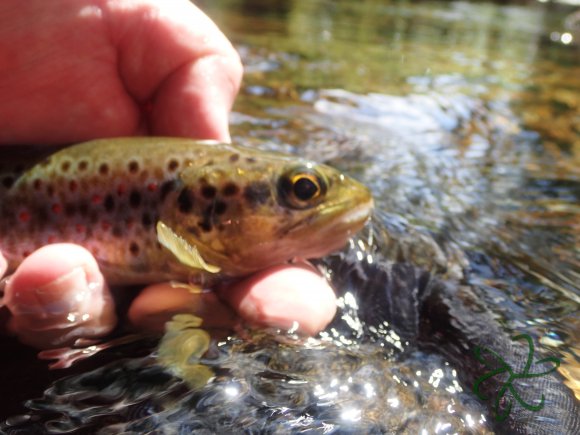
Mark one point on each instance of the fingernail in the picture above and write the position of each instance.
(63, 302)
(3, 265)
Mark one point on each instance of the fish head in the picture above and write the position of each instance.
(241, 218)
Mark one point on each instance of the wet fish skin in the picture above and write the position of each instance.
(239, 207)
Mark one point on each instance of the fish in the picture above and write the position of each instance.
(152, 209)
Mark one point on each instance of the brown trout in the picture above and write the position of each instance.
(153, 209)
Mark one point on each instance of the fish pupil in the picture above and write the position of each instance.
(305, 189)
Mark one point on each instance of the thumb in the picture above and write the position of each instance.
(58, 295)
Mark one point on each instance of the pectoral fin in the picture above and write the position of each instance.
(183, 251)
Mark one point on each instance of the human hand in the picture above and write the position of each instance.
(81, 69)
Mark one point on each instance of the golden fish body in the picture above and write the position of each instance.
(239, 209)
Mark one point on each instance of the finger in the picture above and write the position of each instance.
(173, 56)
(57, 89)
(195, 101)
(157, 304)
(284, 297)
(3, 312)
(57, 295)
(3, 265)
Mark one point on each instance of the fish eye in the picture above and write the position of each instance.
(302, 188)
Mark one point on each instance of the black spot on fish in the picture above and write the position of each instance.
(8, 182)
(166, 188)
(70, 209)
(172, 165)
(133, 166)
(65, 166)
(185, 201)
(250, 160)
(109, 203)
(208, 192)
(83, 165)
(205, 225)
(230, 189)
(220, 207)
(134, 248)
(257, 193)
(234, 157)
(134, 199)
(83, 208)
(37, 184)
(146, 220)
(104, 169)
(213, 210)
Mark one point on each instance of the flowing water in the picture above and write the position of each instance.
(463, 118)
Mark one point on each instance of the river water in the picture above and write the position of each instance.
(463, 118)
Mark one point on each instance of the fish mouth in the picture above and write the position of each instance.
(358, 214)
(331, 220)
(335, 228)
(348, 222)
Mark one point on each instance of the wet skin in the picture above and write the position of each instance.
(133, 68)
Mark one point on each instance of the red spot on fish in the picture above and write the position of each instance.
(121, 189)
(97, 199)
(26, 253)
(24, 216)
(106, 226)
(80, 228)
(73, 185)
(56, 208)
(152, 187)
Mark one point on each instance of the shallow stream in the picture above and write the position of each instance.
(464, 119)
